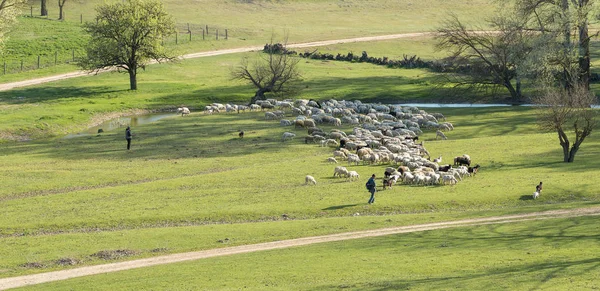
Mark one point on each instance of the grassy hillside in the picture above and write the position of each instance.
(194, 171)
(558, 254)
(248, 23)
(71, 105)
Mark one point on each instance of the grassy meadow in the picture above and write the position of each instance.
(557, 254)
(249, 23)
(190, 181)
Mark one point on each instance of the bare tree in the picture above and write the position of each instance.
(61, 4)
(568, 111)
(274, 72)
(492, 58)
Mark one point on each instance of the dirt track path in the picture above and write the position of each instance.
(21, 281)
(13, 85)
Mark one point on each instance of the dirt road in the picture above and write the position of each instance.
(13, 85)
(21, 281)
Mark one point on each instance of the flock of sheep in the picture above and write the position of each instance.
(383, 134)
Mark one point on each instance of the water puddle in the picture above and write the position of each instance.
(122, 122)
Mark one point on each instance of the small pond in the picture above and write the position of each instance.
(123, 122)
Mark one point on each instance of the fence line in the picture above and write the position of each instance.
(184, 33)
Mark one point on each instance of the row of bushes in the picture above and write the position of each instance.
(407, 62)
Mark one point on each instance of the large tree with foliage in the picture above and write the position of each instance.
(9, 10)
(568, 112)
(274, 72)
(567, 22)
(487, 58)
(127, 35)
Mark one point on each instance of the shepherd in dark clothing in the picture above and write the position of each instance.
(538, 188)
(371, 187)
(128, 137)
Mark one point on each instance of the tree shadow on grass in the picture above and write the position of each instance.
(340, 207)
(49, 93)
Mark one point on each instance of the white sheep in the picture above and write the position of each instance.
(288, 136)
(440, 134)
(310, 180)
(339, 171)
(353, 175)
(449, 179)
(353, 159)
(285, 122)
(536, 194)
(183, 111)
(332, 160)
(438, 160)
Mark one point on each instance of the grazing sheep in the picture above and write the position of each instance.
(270, 116)
(449, 179)
(438, 133)
(331, 143)
(310, 180)
(353, 159)
(288, 136)
(298, 123)
(332, 160)
(459, 161)
(536, 194)
(254, 107)
(340, 154)
(183, 111)
(339, 171)
(353, 175)
(285, 122)
(241, 134)
(473, 170)
(438, 160)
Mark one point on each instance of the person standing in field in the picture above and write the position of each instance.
(128, 137)
(538, 188)
(371, 187)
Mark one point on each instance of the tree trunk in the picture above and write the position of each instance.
(60, 11)
(572, 153)
(132, 79)
(44, 10)
(259, 95)
(584, 49)
(515, 95)
(564, 143)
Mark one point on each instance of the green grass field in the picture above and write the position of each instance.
(248, 23)
(192, 175)
(557, 254)
(189, 183)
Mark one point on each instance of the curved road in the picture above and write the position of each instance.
(10, 86)
(14, 282)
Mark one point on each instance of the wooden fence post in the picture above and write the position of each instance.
(176, 37)
(31, 11)
(217, 34)
(81, 18)
(207, 29)
(55, 58)
(203, 34)
(226, 34)
(190, 35)
(38, 64)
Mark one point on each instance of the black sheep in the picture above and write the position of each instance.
(473, 170)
